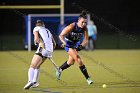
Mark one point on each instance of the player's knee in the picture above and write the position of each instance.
(33, 66)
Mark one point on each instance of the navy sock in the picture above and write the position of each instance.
(84, 71)
(64, 66)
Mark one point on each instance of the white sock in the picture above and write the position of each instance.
(30, 74)
(36, 74)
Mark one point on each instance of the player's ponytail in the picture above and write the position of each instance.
(83, 14)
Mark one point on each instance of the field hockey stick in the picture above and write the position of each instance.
(56, 67)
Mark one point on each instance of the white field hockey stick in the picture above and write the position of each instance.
(56, 67)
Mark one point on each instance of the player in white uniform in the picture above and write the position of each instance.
(46, 43)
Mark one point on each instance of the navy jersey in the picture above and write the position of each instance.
(76, 34)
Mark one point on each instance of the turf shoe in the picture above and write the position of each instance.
(58, 73)
(89, 81)
(28, 85)
(35, 84)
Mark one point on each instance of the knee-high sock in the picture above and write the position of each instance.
(30, 74)
(36, 74)
(64, 66)
(84, 71)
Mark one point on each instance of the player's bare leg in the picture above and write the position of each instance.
(74, 54)
(36, 73)
(33, 71)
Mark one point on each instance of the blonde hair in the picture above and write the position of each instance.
(40, 23)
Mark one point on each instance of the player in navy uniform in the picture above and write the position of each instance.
(70, 38)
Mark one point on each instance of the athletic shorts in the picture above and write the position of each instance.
(43, 53)
(71, 45)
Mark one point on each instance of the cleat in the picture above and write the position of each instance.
(28, 85)
(58, 73)
(35, 84)
(89, 81)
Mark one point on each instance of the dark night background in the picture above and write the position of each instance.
(121, 14)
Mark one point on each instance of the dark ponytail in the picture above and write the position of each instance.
(83, 14)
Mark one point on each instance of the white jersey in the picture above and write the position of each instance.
(46, 37)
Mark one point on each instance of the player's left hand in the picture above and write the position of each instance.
(63, 45)
(42, 45)
(80, 47)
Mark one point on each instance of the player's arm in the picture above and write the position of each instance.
(36, 37)
(54, 43)
(85, 41)
(66, 30)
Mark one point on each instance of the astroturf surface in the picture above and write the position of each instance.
(118, 69)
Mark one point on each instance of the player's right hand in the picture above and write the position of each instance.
(36, 41)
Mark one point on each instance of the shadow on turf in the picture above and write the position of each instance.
(44, 90)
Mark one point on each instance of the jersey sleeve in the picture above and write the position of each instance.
(36, 29)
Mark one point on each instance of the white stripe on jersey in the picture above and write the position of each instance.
(46, 37)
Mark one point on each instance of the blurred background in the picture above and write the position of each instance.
(117, 22)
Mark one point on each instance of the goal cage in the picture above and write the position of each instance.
(51, 21)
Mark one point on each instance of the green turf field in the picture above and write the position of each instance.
(118, 69)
